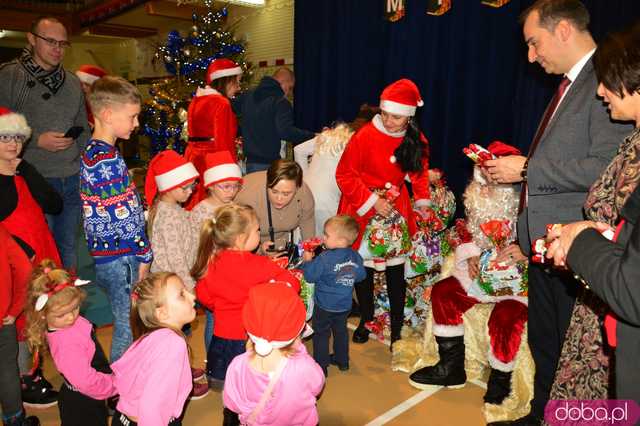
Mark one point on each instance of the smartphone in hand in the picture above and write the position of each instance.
(74, 132)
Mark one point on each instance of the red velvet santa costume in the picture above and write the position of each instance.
(88, 74)
(211, 123)
(369, 163)
(485, 205)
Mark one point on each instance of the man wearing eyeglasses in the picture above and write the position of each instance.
(37, 86)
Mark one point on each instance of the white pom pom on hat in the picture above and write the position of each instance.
(273, 316)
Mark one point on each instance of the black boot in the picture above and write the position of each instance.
(449, 371)
(230, 418)
(360, 334)
(498, 387)
(396, 330)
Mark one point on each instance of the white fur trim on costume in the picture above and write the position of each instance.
(86, 77)
(499, 365)
(225, 73)
(206, 91)
(461, 269)
(175, 177)
(422, 202)
(377, 123)
(222, 172)
(397, 108)
(383, 263)
(364, 208)
(14, 124)
(448, 330)
(467, 250)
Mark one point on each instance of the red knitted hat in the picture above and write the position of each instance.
(273, 316)
(90, 73)
(220, 167)
(222, 67)
(167, 170)
(401, 98)
(12, 123)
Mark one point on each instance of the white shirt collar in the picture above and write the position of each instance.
(377, 123)
(575, 70)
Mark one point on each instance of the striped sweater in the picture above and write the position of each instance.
(114, 222)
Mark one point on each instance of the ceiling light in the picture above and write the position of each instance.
(251, 3)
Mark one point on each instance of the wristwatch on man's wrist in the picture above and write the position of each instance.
(523, 172)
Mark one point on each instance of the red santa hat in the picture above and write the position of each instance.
(273, 316)
(220, 168)
(88, 74)
(12, 123)
(498, 149)
(222, 67)
(168, 170)
(401, 98)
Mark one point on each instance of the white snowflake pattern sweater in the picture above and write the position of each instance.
(114, 222)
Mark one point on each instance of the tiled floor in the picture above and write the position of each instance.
(369, 393)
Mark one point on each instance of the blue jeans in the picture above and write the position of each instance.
(325, 323)
(117, 278)
(208, 327)
(220, 354)
(64, 226)
(257, 167)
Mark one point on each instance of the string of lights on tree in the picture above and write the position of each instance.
(186, 59)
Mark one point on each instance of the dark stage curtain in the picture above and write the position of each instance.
(470, 65)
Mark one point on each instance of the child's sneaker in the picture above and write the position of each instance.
(340, 366)
(197, 374)
(200, 390)
(37, 392)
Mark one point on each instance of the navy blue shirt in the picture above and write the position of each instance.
(334, 272)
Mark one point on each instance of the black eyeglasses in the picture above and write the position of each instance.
(62, 44)
(13, 138)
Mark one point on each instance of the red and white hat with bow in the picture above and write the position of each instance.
(222, 67)
(88, 74)
(273, 316)
(168, 170)
(220, 168)
(401, 98)
(12, 123)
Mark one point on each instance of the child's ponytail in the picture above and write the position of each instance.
(146, 297)
(219, 233)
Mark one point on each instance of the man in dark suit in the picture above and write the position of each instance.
(573, 144)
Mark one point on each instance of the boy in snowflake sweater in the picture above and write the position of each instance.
(114, 222)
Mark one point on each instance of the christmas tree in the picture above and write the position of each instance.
(186, 59)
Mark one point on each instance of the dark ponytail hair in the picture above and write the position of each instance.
(412, 150)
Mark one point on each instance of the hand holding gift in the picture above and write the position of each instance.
(560, 238)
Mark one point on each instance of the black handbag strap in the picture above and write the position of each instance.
(272, 234)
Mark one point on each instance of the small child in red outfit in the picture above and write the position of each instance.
(225, 270)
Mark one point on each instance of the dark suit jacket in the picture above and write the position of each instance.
(612, 271)
(577, 145)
